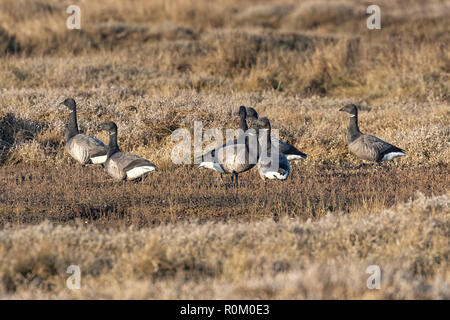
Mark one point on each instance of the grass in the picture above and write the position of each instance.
(290, 259)
(156, 66)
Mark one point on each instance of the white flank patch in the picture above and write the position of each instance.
(294, 157)
(139, 171)
(99, 159)
(211, 165)
(392, 155)
(276, 175)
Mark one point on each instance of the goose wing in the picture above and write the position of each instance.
(130, 166)
(291, 152)
(139, 162)
(383, 150)
(87, 149)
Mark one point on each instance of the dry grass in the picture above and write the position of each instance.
(302, 48)
(260, 260)
(156, 66)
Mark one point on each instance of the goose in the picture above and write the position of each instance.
(84, 149)
(272, 164)
(291, 152)
(121, 165)
(207, 159)
(234, 157)
(365, 146)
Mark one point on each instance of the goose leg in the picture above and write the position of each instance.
(236, 180)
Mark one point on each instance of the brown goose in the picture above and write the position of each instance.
(234, 157)
(272, 164)
(84, 149)
(121, 165)
(365, 146)
(291, 152)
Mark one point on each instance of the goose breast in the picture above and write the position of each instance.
(236, 158)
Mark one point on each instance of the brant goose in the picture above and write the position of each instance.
(365, 146)
(289, 150)
(207, 159)
(84, 149)
(234, 157)
(272, 164)
(121, 165)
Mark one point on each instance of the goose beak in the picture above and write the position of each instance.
(341, 109)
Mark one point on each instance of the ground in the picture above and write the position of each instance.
(156, 66)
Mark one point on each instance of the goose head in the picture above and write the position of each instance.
(261, 123)
(70, 104)
(108, 126)
(242, 112)
(251, 113)
(350, 108)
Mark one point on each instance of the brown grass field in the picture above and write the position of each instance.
(182, 233)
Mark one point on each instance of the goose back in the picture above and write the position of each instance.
(371, 148)
(291, 152)
(127, 166)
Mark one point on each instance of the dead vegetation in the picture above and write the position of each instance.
(157, 66)
(325, 259)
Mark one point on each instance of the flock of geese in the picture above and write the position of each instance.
(234, 157)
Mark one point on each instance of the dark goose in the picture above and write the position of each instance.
(84, 149)
(234, 157)
(365, 146)
(121, 165)
(268, 167)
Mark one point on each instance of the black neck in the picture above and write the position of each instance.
(243, 123)
(112, 147)
(72, 127)
(266, 141)
(243, 128)
(353, 129)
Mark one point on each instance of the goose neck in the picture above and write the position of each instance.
(353, 128)
(265, 140)
(112, 147)
(243, 123)
(72, 127)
